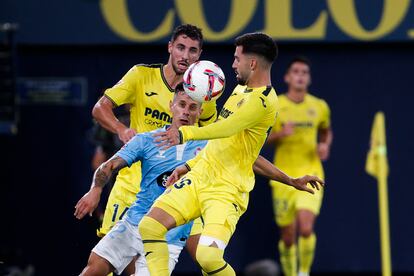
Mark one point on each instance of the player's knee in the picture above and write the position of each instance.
(150, 228)
(95, 270)
(210, 258)
(306, 232)
(305, 229)
(288, 239)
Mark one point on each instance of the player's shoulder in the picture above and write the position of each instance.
(268, 91)
(238, 89)
(149, 66)
(143, 67)
(152, 132)
(269, 94)
(317, 100)
(148, 135)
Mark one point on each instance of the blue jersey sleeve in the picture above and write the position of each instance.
(134, 150)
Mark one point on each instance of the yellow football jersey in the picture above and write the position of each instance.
(145, 88)
(297, 154)
(243, 125)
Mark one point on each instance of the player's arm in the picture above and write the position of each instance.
(88, 203)
(246, 116)
(133, 151)
(103, 113)
(325, 135)
(178, 172)
(263, 167)
(209, 113)
(124, 92)
(324, 144)
(286, 130)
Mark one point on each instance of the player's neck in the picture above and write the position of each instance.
(296, 96)
(259, 79)
(171, 76)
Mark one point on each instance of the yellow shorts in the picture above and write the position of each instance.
(122, 195)
(197, 227)
(200, 194)
(287, 201)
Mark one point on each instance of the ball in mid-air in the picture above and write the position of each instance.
(204, 81)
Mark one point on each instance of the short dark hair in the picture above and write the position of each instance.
(189, 30)
(258, 43)
(301, 59)
(179, 88)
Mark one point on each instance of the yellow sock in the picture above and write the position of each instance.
(288, 259)
(306, 252)
(212, 262)
(155, 247)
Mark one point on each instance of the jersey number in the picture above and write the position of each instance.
(183, 182)
(116, 207)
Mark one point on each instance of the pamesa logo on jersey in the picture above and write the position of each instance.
(157, 118)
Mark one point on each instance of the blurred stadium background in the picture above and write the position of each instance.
(57, 57)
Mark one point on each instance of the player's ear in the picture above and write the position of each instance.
(286, 78)
(253, 64)
(170, 47)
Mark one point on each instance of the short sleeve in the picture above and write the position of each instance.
(124, 92)
(325, 115)
(134, 150)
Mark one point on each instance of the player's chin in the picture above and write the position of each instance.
(241, 81)
(184, 122)
(180, 70)
(182, 67)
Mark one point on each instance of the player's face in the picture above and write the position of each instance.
(298, 76)
(185, 110)
(242, 66)
(184, 51)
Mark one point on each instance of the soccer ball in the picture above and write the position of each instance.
(204, 81)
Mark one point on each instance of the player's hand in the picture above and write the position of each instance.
(175, 175)
(288, 129)
(323, 151)
(126, 134)
(301, 183)
(167, 139)
(88, 203)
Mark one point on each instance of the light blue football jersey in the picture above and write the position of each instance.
(157, 165)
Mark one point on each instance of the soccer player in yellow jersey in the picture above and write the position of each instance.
(148, 89)
(220, 178)
(302, 136)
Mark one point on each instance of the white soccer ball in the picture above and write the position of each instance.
(204, 81)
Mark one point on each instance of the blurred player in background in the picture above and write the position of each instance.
(221, 176)
(303, 137)
(148, 89)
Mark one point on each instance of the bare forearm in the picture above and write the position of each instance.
(105, 171)
(273, 137)
(103, 113)
(326, 136)
(101, 176)
(263, 167)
